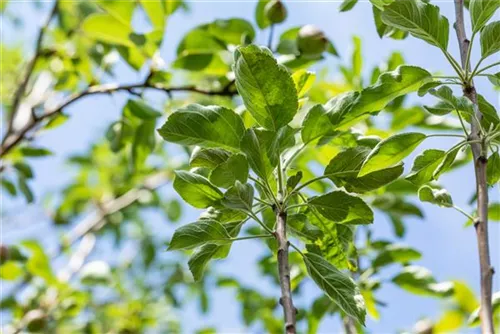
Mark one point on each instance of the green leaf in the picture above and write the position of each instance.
(232, 31)
(344, 168)
(196, 190)
(38, 263)
(260, 14)
(448, 102)
(391, 151)
(210, 126)
(347, 5)
(198, 234)
(256, 154)
(239, 197)
(228, 172)
(156, 13)
(299, 225)
(24, 169)
(208, 157)
(266, 88)
(396, 253)
(202, 255)
(380, 4)
(316, 124)
(9, 187)
(276, 142)
(390, 85)
(490, 39)
(490, 115)
(419, 18)
(25, 189)
(142, 110)
(494, 78)
(11, 270)
(493, 169)
(424, 166)
(106, 28)
(303, 80)
(446, 163)
(494, 212)
(199, 41)
(34, 152)
(439, 197)
(338, 286)
(425, 88)
(481, 11)
(419, 280)
(143, 144)
(294, 180)
(340, 207)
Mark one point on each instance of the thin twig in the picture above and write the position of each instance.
(21, 89)
(11, 140)
(480, 164)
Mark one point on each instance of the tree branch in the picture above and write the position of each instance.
(21, 89)
(12, 140)
(284, 273)
(480, 163)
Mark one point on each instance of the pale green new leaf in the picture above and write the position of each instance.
(210, 126)
(391, 151)
(419, 18)
(106, 28)
(481, 11)
(338, 286)
(340, 207)
(196, 190)
(439, 197)
(424, 166)
(266, 88)
(490, 39)
(494, 212)
(199, 233)
(303, 80)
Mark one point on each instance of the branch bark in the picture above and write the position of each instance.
(480, 162)
(11, 140)
(284, 273)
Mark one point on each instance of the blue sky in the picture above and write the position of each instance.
(448, 249)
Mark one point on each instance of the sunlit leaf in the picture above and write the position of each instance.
(391, 151)
(341, 207)
(266, 88)
(481, 11)
(439, 197)
(210, 126)
(422, 19)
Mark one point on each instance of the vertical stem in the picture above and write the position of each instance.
(284, 273)
(480, 162)
(271, 35)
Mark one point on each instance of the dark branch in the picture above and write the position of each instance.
(11, 140)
